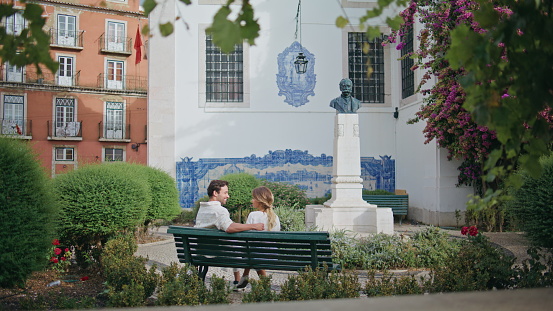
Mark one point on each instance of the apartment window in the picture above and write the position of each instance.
(115, 74)
(224, 74)
(67, 30)
(65, 154)
(114, 154)
(367, 91)
(65, 73)
(115, 39)
(15, 24)
(13, 115)
(407, 75)
(65, 125)
(114, 126)
(14, 73)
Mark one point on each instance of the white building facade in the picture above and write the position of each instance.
(211, 114)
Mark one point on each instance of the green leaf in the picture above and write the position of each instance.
(395, 22)
(166, 29)
(341, 22)
(373, 32)
(149, 6)
(187, 2)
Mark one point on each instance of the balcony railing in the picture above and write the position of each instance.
(122, 82)
(114, 131)
(115, 44)
(16, 128)
(64, 129)
(66, 38)
(30, 75)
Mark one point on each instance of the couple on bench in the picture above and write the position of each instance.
(213, 214)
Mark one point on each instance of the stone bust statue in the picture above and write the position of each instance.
(345, 103)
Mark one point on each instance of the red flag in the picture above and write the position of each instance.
(137, 46)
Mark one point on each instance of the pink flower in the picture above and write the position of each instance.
(57, 251)
(56, 242)
(54, 260)
(464, 230)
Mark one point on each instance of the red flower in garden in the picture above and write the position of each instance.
(464, 230)
(84, 278)
(56, 242)
(57, 251)
(67, 250)
(54, 260)
(473, 231)
(63, 259)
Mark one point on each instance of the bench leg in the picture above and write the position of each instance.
(202, 272)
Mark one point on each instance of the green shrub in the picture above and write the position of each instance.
(431, 247)
(382, 252)
(532, 205)
(320, 284)
(287, 195)
(98, 201)
(320, 200)
(126, 274)
(27, 211)
(291, 219)
(390, 285)
(181, 286)
(476, 266)
(165, 195)
(240, 188)
(261, 291)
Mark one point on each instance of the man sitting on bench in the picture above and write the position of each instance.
(213, 214)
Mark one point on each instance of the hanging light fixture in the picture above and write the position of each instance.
(301, 61)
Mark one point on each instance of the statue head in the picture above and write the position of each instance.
(346, 86)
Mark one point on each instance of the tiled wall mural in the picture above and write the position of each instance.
(295, 87)
(311, 173)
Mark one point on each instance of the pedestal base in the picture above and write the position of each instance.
(357, 219)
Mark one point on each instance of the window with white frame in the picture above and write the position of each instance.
(67, 30)
(65, 72)
(15, 23)
(115, 74)
(64, 154)
(14, 73)
(407, 74)
(115, 120)
(65, 124)
(367, 91)
(114, 154)
(13, 115)
(224, 73)
(116, 36)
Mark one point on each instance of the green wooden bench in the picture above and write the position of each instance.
(292, 251)
(398, 203)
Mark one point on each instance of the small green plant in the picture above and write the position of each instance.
(261, 291)
(287, 195)
(181, 286)
(320, 284)
(291, 219)
(320, 200)
(377, 192)
(389, 285)
(131, 295)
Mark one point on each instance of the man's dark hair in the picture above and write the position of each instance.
(216, 185)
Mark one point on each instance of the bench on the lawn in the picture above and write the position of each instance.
(292, 251)
(398, 203)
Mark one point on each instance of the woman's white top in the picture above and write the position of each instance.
(261, 217)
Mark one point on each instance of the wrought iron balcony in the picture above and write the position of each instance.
(114, 131)
(30, 75)
(65, 130)
(18, 128)
(66, 38)
(115, 44)
(122, 82)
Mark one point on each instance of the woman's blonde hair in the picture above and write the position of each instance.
(264, 196)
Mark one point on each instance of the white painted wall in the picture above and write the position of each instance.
(180, 127)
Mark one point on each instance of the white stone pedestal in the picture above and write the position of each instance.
(346, 209)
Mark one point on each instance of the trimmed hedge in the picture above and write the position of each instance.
(287, 195)
(532, 205)
(98, 201)
(27, 211)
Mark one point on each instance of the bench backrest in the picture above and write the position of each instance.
(252, 249)
(398, 203)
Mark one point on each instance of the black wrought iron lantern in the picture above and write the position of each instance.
(301, 63)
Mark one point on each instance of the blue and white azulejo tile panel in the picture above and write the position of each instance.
(311, 173)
